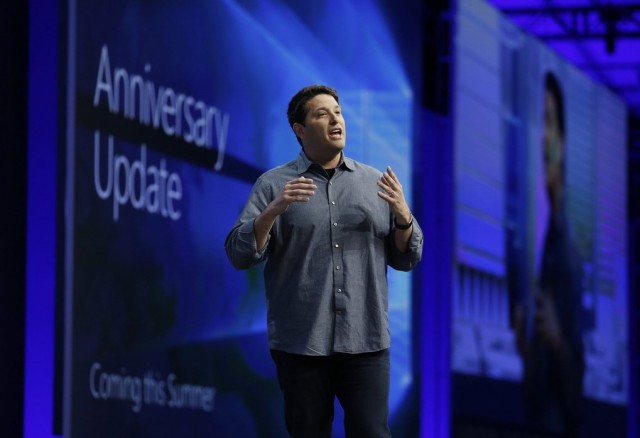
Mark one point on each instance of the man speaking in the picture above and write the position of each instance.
(327, 227)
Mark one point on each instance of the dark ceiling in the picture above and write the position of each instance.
(602, 38)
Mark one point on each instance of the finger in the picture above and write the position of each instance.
(392, 173)
(307, 187)
(297, 193)
(289, 198)
(301, 199)
(389, 193)
(389, 178)
(300, 180)
(388, 198)
(392, 183)
(387, 188)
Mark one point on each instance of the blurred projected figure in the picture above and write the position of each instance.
(549, 333)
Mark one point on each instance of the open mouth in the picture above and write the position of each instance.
(335, 133)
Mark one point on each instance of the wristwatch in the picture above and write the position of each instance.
(405, 226)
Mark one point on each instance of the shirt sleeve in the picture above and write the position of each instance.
(240, 244)
(406, 261)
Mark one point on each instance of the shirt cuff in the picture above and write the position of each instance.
(247, 239)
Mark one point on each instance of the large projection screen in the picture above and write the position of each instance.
(167, 113)
(503, 213)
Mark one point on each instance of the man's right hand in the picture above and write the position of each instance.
(297, 190)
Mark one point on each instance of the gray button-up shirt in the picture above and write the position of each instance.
(326, 259)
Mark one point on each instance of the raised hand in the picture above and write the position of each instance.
(297, 190)
(393, 194)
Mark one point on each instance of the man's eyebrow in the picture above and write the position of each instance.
(325, 108)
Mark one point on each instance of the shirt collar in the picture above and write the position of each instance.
(304, 162)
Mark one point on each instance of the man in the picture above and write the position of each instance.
(553, 352)
(327, 227)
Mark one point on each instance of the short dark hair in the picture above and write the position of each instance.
(552, 85)
(297, 110)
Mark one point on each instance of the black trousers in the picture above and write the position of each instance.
(311, 383)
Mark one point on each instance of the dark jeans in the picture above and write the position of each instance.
(310, 384)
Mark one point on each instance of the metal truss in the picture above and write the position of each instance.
(608, 22)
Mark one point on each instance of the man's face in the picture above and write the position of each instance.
(324, 131)
(553, 145)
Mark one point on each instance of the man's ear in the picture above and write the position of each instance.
(298, 128)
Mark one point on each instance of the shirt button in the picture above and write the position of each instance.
(337, 246)
(338, 268)
(330, 183)
(333, 202)
(335, 224)
(339, 290)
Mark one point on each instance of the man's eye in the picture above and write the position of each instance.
(322, 114)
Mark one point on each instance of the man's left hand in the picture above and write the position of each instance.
(393, 194)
